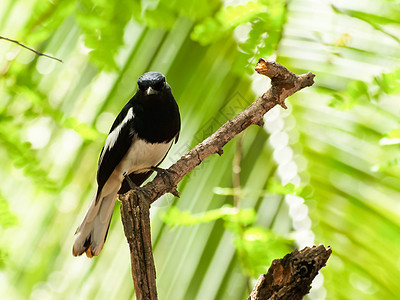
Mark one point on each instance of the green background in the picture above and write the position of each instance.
(324, 171)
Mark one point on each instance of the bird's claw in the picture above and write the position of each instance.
(130, 182)
(163, 173)
(166, 173)
(143, 192)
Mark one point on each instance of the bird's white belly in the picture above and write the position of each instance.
(141, 156)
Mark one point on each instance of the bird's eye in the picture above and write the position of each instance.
(141, 86)
(159, 85)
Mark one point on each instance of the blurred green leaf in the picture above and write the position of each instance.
(23, 156)
(357, 92)
(225, 191)
(3, 258)
(257, 247)
(195, 10)
(160, 17)
(46, 16)
(376, 21)
(275, 187)
(393, 162)
(266, 19)
(389, 83)
(41, 107)
(87, 132)
(372, 18)
(164, 13)
(394, 134)
(103, 24)
(7, 218)
(226, 19)
(306, 192)
(175, 217)
(238, 221)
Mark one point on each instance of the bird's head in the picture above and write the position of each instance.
(152, 83)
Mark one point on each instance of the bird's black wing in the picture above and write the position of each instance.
(116, 146)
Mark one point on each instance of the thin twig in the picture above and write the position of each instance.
(33, 50)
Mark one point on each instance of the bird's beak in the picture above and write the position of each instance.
(151, 91)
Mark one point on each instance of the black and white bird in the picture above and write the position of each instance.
(139, 140)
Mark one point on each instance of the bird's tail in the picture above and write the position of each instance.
(92, 233)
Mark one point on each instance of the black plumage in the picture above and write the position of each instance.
(139, 139)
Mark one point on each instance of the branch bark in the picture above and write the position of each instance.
(135, 214)
(291, 277)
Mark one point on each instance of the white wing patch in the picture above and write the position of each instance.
(113, 136)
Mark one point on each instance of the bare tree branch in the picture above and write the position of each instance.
(33, 50)
(291, 277)
(283, 84)
(135, 213)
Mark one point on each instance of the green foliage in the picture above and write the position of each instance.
(3, 258)
(103, 24)
(159, 16)
(225, 20)
(164, 13)
(388, 83)
(356, 93)
(175, 217)
(7, 218)
(394, 134)
(39, 107)
(391, 163)
(29, 105)
(274, 187)
(267, 29)
(194, 10)
(376, 21)
(350, 157)
(46, 17)
(24, 157)
(256, 246)
(265, 18)
(359, 92)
